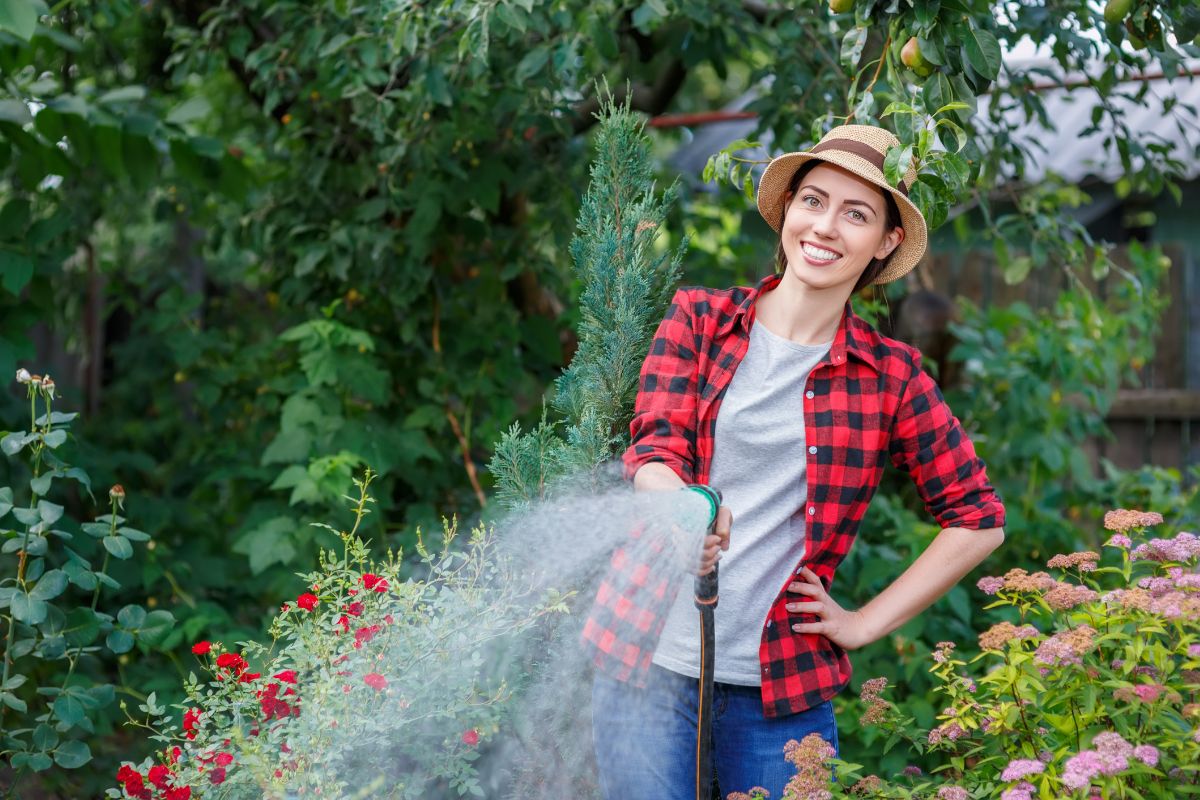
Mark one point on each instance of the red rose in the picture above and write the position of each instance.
(182, 793)
(354, 609)
(364, 635)
(191, 721)
(201, 648)
(217, 776)
(224, 759)
(246, 677)
(287, 676)
(471, 737)
(375, 681)
(231, 661)
(375, 582)
(307, 601)
(174, 755)
(343, 622)
(158, 775)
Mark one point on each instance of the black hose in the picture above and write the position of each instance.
(706, 601)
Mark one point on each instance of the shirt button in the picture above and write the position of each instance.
(810, 394)
(812, 448)
(812, 510)
(770, 622)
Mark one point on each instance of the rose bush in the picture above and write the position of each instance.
(1089, 690)
(54, 689)
(370, 686)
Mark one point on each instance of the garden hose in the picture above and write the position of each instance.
(706, 602)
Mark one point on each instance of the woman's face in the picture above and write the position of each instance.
(833, 226)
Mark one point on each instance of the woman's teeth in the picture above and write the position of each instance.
(818, 253)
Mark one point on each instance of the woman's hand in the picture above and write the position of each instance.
(716, 541)
(846, 628)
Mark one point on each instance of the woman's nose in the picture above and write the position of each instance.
(825, 225)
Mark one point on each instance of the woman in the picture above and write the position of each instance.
(788, 403)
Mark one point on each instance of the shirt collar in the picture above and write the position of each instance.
(852, 337)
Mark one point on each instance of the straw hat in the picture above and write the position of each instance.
(859, 149)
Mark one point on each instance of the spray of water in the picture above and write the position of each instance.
(489, 666)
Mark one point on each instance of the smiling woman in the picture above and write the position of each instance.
(789, 404)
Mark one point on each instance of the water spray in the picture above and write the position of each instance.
(706, 601)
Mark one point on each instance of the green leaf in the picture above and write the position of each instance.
(16, 269)
(852, 46)
(6, 500)
(55, 438)
(190, 110)
(96, 530)
(72, 754)
(82, 627)
(13, 702)
(133, 534)
(532, 63)
(27, 609)
(19, 17)
(119, 546)
(155, 627)
(51, 585)
(936, 93)
(49, 512)
(268, 544)
(68, 709)
(44, 737)
(131, 616)
(125, 94)
(983, 53)
(119, 641)
(896, 163)
(56, 418)
(41, 484)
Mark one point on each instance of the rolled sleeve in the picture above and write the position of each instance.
(929, 444)
(663, 428)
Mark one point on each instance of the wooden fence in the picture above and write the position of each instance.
(1157, 423)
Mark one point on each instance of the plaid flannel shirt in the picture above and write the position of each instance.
(867, 401)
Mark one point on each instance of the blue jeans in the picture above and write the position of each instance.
(645, 739)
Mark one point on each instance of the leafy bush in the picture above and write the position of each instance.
(371, 686)
(1089, 690)
(49, 651)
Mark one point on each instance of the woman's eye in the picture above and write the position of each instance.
(858, 215)
(811, 201)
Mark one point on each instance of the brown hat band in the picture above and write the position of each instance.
(863, 151)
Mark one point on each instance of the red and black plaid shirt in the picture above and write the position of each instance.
(869, 400)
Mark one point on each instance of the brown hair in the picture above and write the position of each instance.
(877, 265)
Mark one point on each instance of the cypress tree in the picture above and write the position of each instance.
(627, 283)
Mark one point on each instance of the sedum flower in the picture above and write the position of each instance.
(1119, 540)
(1021, 768)
(1184, 547)
(1147, 754)
(1122, 520)
(1066, 647)
(813, 777)
(990, 584)
(1022, 791)
(1084, 561)
(1000, 634)
(953, 793)
(1065, 596)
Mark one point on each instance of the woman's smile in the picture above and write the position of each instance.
(817, 255)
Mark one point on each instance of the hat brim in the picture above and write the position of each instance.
(778, 174)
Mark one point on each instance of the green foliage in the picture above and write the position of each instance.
(53, 687)
(1100, 661)
(627, 282)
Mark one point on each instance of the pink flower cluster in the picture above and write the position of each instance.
(1122, 519)
(1184, 547)
(1066, 647)
(1110, 756)
(1022, 791)
(953, 793)
(1021, 768)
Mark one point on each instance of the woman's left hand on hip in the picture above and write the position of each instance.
(842, 627)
